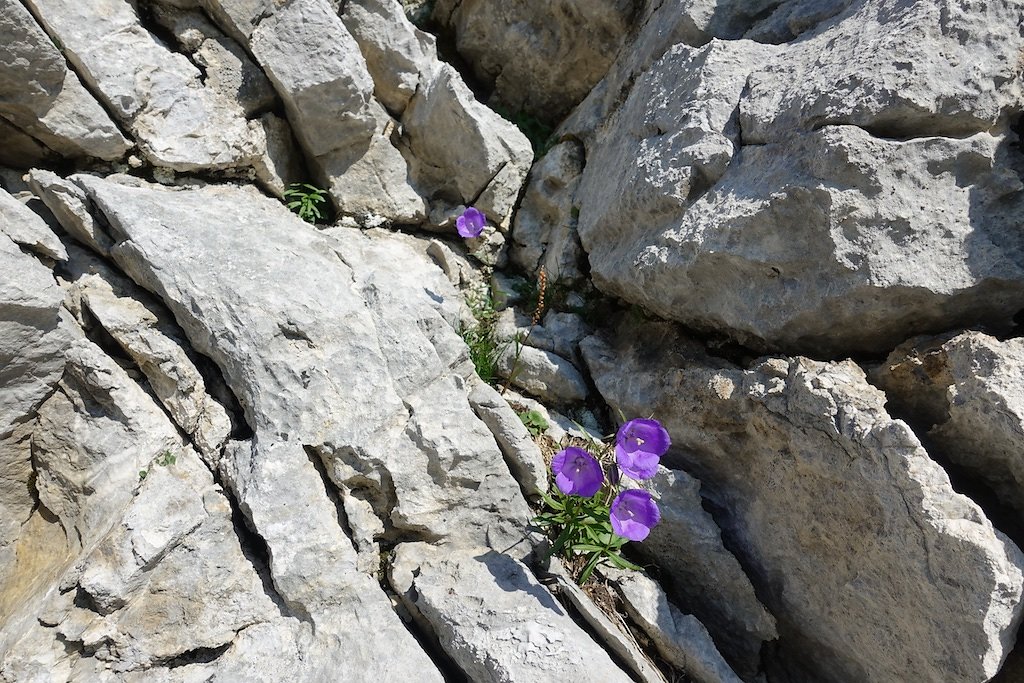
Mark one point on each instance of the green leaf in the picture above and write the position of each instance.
(622, 563)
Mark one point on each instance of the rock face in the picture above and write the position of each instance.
(538, 61)
(965, 393)
(855, 540)
(43, 98)
(715, 158)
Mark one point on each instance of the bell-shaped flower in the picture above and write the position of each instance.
(471, 223)
(577, 472)
(639, 446)
(633, 514)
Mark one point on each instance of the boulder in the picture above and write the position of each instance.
(27, 229)
(539, 61)
(896, 237)
(964, 393)
(40, 95)
(495, 619)
(158, 94)
(318, 71)
(874, 567)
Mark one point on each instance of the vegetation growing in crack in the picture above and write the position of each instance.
(540, 134)
(304, 199)
(165, 459)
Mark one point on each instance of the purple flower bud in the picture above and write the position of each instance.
(634, 513)
(471, 223)
(577, 472)
(639, 446)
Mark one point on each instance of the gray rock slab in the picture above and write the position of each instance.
(158, 94)
(24, 227)
(542, 373)
(354, 354)
(873, 566)
(495, 619)
(544, 231)
(878, 262)
(320, 74)
(69, 205)
(40, 95)
(706, 579)
(521, 452)
(398, 55)
(964, 393)
(148, 334)
(680, 638)
(939, 68)
(463, 151)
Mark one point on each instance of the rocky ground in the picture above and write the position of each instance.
(239, 446)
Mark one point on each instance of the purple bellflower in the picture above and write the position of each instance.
(634, 513)
(577, 472)
(639, 446)
(471, 223)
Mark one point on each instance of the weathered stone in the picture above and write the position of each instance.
(408, 429)
(281, 165)
(33, 340)
(24, 227)
(964, 391)
(680, 638)
(158, 94)
(544, 374)
(938, 68)
(706, 579)
(522, 454)
(560, 332)
(544, 232)
(227, 68)
(42, 97)
(69, 205)
(794, 18)
(20, 150)
(873, 566)
(146, 332)
(616, 638)
(896, 237)
(538, 60)
(493, 617)
(398, 55)
(321, 76)
(462, 151)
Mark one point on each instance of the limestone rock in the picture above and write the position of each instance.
(494, 619)
(964, 391)
(146, 332)
(398, 55)
(514, 439)
(541, 61)
(387, 368)
(463, 151)
(24, 227)
(544, 232)
(879, 259)
(940, 68)
(680, 638)
(69, 205)
(542, 373)
(873, 566)
(158, 94)
(706, 579)
(42, 97)
(317, 69)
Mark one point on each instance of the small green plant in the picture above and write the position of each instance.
(591, 515)
(303, 198)
(534, 422)
(165, 459)
(484, 346)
